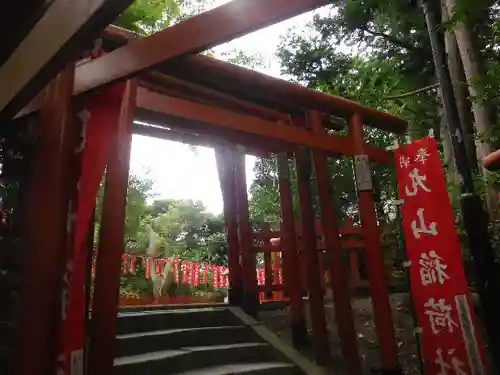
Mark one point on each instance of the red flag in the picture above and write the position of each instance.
(133, 260)
(450, 338)
(197, 268)
(147, 267)
(176, 270)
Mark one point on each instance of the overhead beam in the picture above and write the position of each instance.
(201, 94)
(194, 35)
(273, 92)
(259, 88)
(190, 127)
(17, 18)
(193, 139)
(216, 118)
(54, 41)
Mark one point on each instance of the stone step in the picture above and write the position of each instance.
(171, 307)
(258, 368)
(192, 358)
(147, 321)
(142, 342)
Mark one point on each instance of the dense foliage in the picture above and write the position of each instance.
(183, 229)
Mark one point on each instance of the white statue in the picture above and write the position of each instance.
(161, 281)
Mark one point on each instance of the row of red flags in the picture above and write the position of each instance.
(192, 273)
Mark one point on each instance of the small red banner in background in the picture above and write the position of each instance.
(443, 305)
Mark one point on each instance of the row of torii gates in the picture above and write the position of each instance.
(202, 101)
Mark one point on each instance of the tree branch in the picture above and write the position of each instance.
(391, 39)
(399, 96)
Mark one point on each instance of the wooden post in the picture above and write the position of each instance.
(250, 301)
(376, 273)
(45, 217)
(290, 254)
(313, 273)
(111, 242)
(354, 276)
(225, 165)
(339, 281)
(268, 267)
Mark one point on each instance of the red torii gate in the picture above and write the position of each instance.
(235, 105)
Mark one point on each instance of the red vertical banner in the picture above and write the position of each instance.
(443, 305)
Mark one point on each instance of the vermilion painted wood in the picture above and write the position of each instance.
(313, 274)
(373, 253)
(492, 161)
(147, 100)
(45, 211)
(339, 281)
(268, 269)
(247, 87)
(194, 35)
(111, 242)
(249, 272)
(273, 92)
(347, 244)
(291, 267)
(200, 94)
(345, 231)
(260, 88)
(191, 127)
(271, 288)
(205, 140)
(226, 169)
(55, 40)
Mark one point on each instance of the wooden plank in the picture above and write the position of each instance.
(346, 243)
(250, 295)
(17, 18)
(186, 90)
(54, 41)
(194, 139)
(194, 35)
(271, 288)
(313, 274)
(111, 243)
(376, 270)
(273, 92)
(339, 282)
(47, 194)
(260, 88)
(492, 161)
(229, 120)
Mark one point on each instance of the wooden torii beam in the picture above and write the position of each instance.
(257, 88)
(54, 41)
(194, 35)
(232, 124)
(492, 161)
(273, 92)
(204, 140)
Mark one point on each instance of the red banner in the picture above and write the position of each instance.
(450, 339)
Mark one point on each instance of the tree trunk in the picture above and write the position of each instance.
(460, 91)
(473, 65)
(449, 160)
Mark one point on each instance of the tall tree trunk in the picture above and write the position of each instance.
(449, 161)
(460, 90)
(474, 69)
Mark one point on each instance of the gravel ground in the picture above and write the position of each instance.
(278, 322)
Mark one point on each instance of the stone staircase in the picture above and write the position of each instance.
(195, 341)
